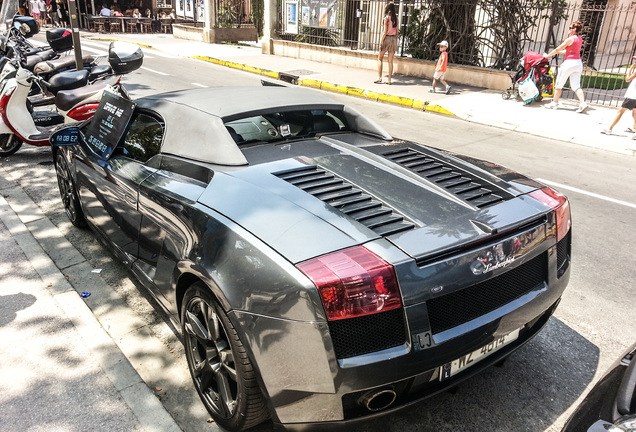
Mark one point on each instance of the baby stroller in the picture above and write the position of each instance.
(535, 65)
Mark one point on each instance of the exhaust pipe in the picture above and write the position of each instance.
(377, 400)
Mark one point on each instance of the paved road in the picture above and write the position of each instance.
(534, 391)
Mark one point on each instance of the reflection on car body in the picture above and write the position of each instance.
(611, 404)
(321, 271)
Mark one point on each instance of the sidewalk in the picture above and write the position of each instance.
(469, 103)
(62, 368)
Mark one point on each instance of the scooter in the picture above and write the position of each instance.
(19, 123)
(46, 63)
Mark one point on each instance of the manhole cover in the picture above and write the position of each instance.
(300, 72)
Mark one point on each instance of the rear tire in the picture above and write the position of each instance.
(219, 365)
(70, 200)
(9, 144)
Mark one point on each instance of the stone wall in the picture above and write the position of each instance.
(467, 75)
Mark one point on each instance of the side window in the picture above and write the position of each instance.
(143, 139)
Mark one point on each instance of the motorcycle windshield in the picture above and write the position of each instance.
(7, 12)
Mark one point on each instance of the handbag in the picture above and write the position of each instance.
(528, 88)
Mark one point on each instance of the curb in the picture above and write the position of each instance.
(336, 88)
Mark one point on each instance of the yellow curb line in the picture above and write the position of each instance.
(119, 40)
(240, 66)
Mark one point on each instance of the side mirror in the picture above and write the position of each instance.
(65, 137)
(25, 29)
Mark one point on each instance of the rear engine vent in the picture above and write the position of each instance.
(466, 186)
(459, 307)
(369, 333)
(563, 250)
(349, 199)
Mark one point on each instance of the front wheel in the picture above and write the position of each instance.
(9, 144)
(70, 200)
(219, 365)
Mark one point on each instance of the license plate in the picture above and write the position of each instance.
(450, 369)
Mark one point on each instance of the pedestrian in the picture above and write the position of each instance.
(440, 68)
(24, 7)
(52, 8)
(43, 13)
(629, 103)
(35, 10)
(105, 11)
(571, 68)
(62, 13)
(388, 41)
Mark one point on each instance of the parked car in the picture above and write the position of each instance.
(322, 272)
(611, 404)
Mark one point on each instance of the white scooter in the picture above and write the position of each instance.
(19, 123)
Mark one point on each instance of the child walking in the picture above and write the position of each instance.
(629, 103)
(440, 68)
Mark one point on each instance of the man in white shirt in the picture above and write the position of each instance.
(105, 11)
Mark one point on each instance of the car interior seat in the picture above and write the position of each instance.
(238, 138)
(325, 123)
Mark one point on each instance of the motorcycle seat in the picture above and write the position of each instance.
(99, 71)
(68, 80)
(59, 64)
(67, 99)
(35, 58)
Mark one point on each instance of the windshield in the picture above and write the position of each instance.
(8, 10)
(285, 125)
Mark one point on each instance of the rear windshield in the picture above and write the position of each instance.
(282, 126)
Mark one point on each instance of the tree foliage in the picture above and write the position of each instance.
(477, 30)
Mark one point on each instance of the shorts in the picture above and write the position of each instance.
(389, 44)
(630, 104)
(35, 14)
(439, 75)
(571, 69)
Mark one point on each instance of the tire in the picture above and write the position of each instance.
(219, 365)
(9, 144)
(505, 95)
(70, 200)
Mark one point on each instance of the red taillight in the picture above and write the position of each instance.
(353, 282)
(561, 206)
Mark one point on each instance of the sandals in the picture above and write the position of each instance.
(377, 82)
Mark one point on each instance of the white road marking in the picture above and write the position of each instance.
(161, 54)
(95, 51)
(200, 85)
(152, 70)
(590, 194)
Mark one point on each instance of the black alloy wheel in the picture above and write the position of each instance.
(9, 144)
(219, 365)
(70, 200)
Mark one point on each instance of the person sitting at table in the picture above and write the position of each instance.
(116, 12)
(105, 11)
(128, 13)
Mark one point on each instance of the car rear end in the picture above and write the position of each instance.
(422, 308)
